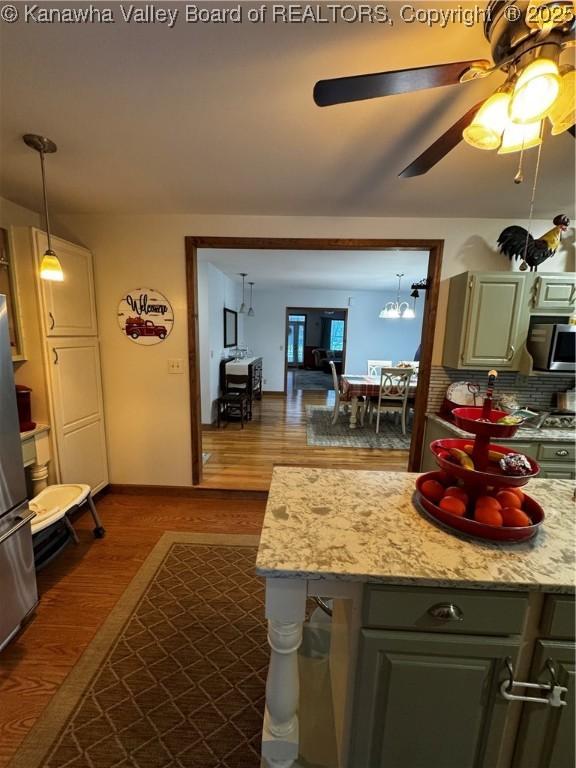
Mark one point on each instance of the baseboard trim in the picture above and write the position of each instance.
(273, 393)
(189, 491)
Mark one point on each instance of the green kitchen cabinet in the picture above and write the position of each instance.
(554, 293)
(429, 699)
(546, 734)
(487, 321)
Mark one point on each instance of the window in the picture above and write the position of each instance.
(337, 335)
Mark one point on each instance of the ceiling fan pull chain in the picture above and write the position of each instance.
(523, 264)
(519, 178)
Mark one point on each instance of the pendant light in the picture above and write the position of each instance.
(50, 268)
(242, 309)
(251, 310)
(396, 309)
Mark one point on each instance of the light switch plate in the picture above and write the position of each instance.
(176, 365)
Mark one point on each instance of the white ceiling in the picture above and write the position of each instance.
(219, 118)
(338, 270)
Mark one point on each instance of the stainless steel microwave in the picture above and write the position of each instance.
(552, 346)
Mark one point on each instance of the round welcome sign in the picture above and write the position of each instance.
(145, 316)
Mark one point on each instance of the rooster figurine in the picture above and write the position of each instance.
(517, 242)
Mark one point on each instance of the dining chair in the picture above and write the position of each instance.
(393, 394)
(374, 366)
(338, 397)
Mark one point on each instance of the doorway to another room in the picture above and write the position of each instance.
(315, 329)
(315, 337)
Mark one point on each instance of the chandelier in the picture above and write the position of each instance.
(396, 309)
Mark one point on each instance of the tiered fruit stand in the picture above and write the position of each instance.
(484, 478)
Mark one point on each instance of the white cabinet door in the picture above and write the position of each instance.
(69, 307)
(74, 367)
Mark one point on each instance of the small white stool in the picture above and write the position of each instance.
(56, 501)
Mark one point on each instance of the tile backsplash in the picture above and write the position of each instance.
(531, 391)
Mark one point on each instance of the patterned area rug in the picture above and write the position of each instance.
(320, 431)
(313, 380)
(176, 675)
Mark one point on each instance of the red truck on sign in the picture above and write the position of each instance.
(136, 327)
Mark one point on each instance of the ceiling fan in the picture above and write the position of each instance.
(526, 38)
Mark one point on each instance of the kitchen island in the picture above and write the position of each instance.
(410, 598)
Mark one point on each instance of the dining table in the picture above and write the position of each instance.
(355, 386)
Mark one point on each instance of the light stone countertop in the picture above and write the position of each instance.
(524, 434)
(364, 526)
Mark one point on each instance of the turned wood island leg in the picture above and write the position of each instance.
(285, 611)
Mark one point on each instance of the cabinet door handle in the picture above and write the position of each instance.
(562, 452)
(55, 357)
(446, 612)
(511, 352)
(52, 321)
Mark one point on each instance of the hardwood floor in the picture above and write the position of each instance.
(79, 589)
(244, 458)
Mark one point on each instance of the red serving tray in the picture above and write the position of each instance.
(474, 478)
(480, 530)
(467, 418)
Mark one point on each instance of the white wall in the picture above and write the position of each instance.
(368, 336)
(12, 215)
(215, 291)
(147, 410)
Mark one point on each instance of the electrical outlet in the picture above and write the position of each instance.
(176, 365)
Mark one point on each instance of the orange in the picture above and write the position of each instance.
(515, 517)
(518, 492)
(488, 516)
(453, 505)
(458, 493)
(508, 499)
(433, 490)
(488, 501)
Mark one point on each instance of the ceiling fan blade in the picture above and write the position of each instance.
(441, 146)
(341, 90)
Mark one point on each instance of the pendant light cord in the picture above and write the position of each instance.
(41, 153)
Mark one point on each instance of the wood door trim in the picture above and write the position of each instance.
(194, 358)
(435, 249)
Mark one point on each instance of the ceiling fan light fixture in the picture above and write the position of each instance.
(485, 131)
(518, 137)
(562, 115)
(535, 91)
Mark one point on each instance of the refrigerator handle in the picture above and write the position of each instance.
(21, 522)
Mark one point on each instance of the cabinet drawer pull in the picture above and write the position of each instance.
(446, 612)
(553, 697)
(52, 321)
(562, 452)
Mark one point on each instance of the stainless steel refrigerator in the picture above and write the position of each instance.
(18, 593)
